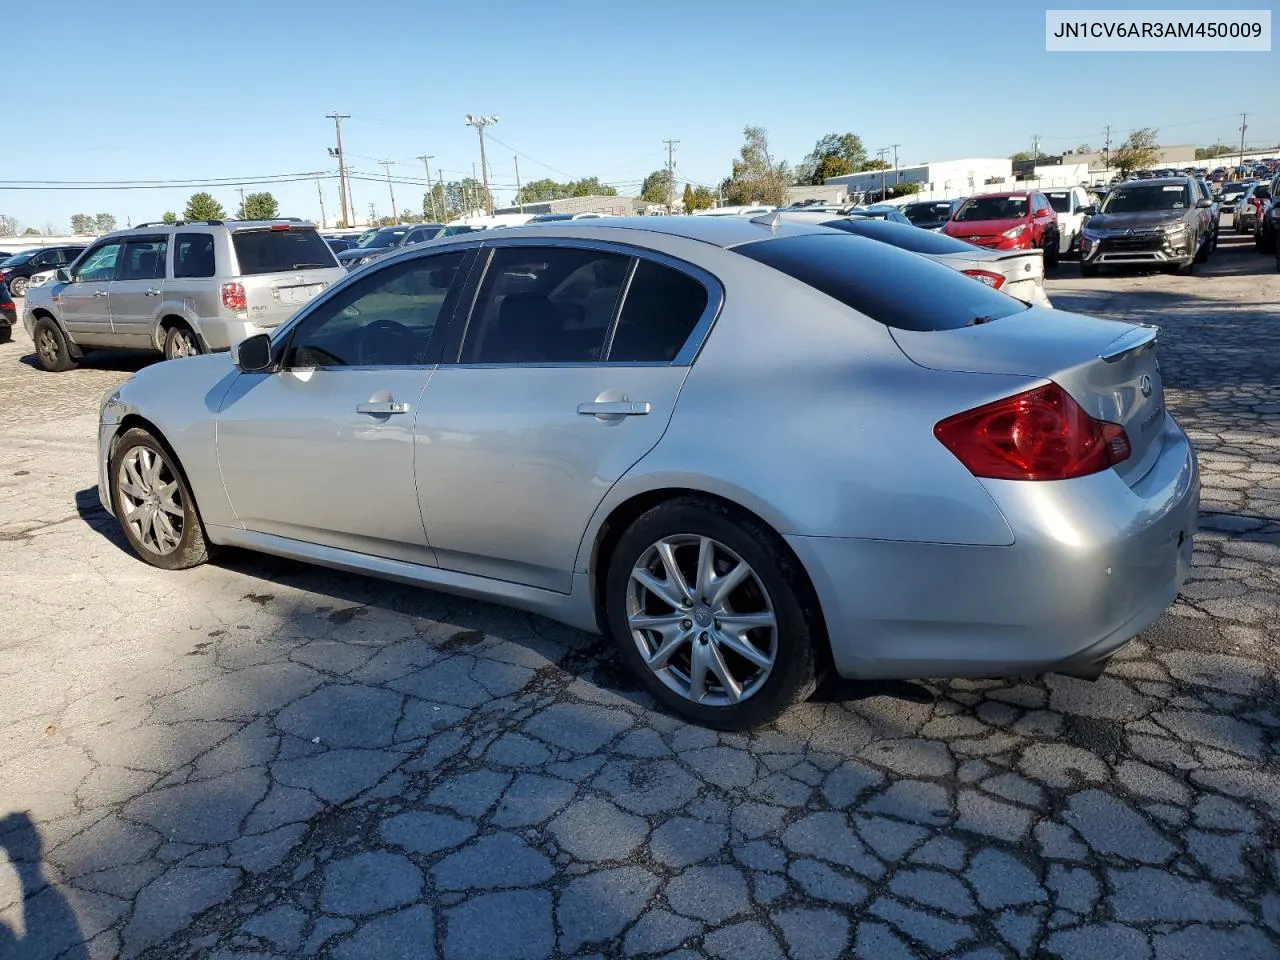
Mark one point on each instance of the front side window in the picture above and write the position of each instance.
(193, 255)
(545, 305)
(388, 318)
(100, 264)
(143, 259)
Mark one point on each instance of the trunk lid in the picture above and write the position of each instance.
(1108, 366)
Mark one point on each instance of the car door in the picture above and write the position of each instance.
(551, 390)
(1042, 216)
(321, 449)
(137, 291)
(84, 301)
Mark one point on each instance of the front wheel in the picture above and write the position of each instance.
(19, 286)
(1184, 269)
(154, 504)
(51, 346)
(708, 608)
(181, 341)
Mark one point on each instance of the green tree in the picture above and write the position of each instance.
(1020, 156)
(202, 206)
(433, 203)
(832, 156)
(104, 222)
(1083, 148)
(703, 199)
(876, 164)
(1216, 150)
(169, 217)
(687, 200)
(82, 224)
(258, 206)
(463, 197)
(757, 177)
(1138, 152)
(31, 232)
(656, 187)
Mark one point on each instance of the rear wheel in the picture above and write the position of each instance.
(51, 346)
(154, 505)
(19, 286)
(181, 341)
(707, 607)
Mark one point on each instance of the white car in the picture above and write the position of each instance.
(1019, 273)
(1069, 203)
(38, 279)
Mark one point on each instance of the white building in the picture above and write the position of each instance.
(946, 178)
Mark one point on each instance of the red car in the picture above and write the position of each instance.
(1008, 221)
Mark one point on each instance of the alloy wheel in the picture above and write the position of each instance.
(702, 620)
(47, 346)
(182, 343)
(151, 500)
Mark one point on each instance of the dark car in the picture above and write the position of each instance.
(387, 239)
(881, 212)
(1266, 227)
(1166, 222)
(338, 244)
(17, 270)
(930, 214)
(8, 314)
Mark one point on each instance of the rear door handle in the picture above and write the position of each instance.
(381, 407)
(151, 293)
(615, 408)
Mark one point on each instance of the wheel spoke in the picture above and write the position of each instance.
(739, 623)
(170, 533)
(132, 469)
(157, 533)
(131, 489)
(745, 649)
(721, 587)
(662, 589)
(663, 623)
(659, 659)
(666, 553)
(698, 668)
(706, 568)
(715, 660)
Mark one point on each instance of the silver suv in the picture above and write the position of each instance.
(183, 288)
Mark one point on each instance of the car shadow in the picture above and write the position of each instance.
(124, 361)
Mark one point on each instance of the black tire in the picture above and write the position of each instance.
(182, 341)
(1203, 251)
(1184, 269)
(793, 675)
(1051, 252)
(6, 333)
(51, 346)
(191, 548)
(1088, 269)
(19, 285)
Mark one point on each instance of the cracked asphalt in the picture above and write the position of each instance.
(260, 759)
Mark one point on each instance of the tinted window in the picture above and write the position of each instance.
(143, 259)
(661, 309)
(545, 305)
(20, 258)
(896, 288)
(279, 251)
(902, 236)
(993, 208)
(100, 264)
(387, 319)
(1060, 202)
(926, 212)
(193, 255)
(386, 237)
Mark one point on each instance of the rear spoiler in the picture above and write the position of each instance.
(1142, 337)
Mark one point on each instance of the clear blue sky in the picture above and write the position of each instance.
(156, 89)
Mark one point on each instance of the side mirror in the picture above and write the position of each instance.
(252, 355)
(64, 275)
(1089, 209)
(1204, 203)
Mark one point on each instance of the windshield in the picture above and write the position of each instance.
(385, 237)
(1146, 199)
(1061, 202)
(18, 259)
(993, 208)
(926, 212)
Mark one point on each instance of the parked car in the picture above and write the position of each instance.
(383, 241)
(1250, 204)
(880, 211)
(1149, 223)
(1019, 273)
(17, 270)
(1069, 205)
(1022, 220)
(1230, 193)
(930, 214)
(8, 314)
(956, 484)
(561, 217)
(1267, 226)
(338, 244)
(182, 289)
(1215, 211)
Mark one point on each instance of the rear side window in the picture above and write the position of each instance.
(280, 251)
(902, 236)
(193, 255)
(660, 311)
(888, 285)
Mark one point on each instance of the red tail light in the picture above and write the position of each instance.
(995, 280)
(1042, 434)
(7, 305)
(279, 226)
(233, 297)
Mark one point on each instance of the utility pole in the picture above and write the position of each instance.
(897, 178)
(444, 197)
(337, 119)
(426, 162)
(320, 194)
(472, 205)
(386, 164)
(480, 123)
(519, 199)
(880, 156)
(1244, 125)
(1106, 150)
(373, 214)
(242, 210)
(671, 172)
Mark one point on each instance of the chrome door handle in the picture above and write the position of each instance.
(382, 407)
(151, 293)
(99, 293)
(615, 408)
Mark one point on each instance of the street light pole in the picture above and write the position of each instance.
(480, 123)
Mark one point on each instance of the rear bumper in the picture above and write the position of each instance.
(1094, 562)
(221, 334)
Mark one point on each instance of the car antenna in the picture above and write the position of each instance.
(771, 219)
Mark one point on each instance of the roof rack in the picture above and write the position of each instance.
(175, 223)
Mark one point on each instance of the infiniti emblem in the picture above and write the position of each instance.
(1145, 385)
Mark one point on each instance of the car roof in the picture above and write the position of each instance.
(1164, 181)
(716, 231)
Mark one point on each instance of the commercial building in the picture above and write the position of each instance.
(957, 178)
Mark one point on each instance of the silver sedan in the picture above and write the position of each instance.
(749, 452)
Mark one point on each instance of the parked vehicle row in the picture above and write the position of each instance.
(579, 411)
(17, 270)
